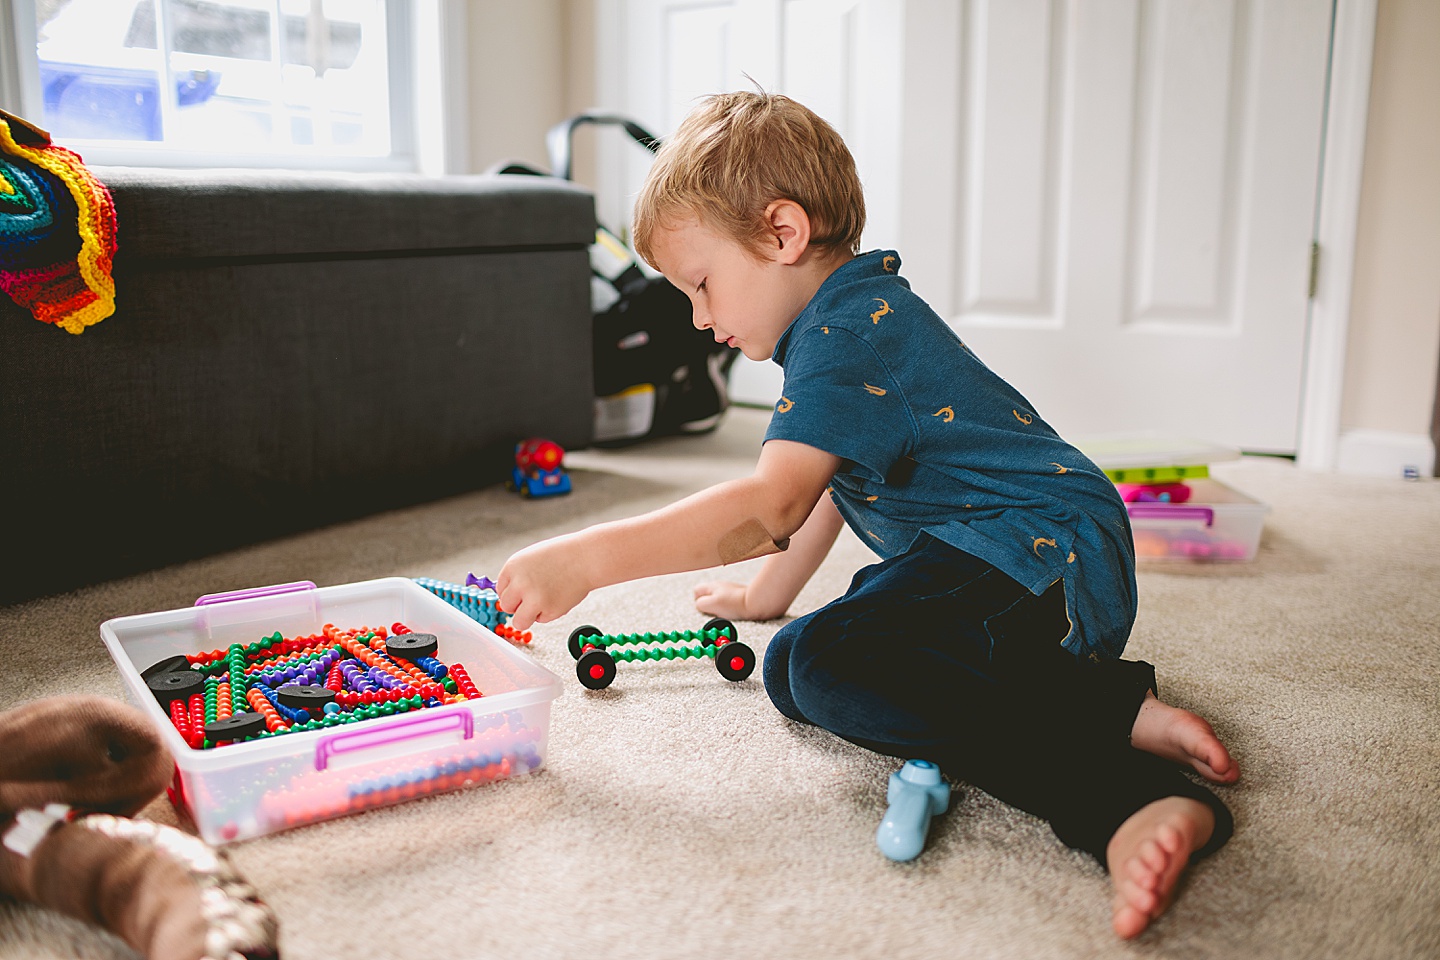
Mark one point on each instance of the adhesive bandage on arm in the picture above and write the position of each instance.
(748, 541)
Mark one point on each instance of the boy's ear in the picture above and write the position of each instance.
(789, 230)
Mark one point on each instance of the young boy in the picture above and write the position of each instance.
(987, 637)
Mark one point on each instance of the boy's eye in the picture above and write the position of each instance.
(702, 285)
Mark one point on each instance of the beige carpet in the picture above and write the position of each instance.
(680, 816)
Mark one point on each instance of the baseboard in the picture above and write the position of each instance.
(1382, 453)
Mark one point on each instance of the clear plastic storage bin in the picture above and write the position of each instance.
(250, 789)
(1216, 523)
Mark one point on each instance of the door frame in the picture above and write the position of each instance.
(1347, 104)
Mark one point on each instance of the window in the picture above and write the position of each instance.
(252, 82)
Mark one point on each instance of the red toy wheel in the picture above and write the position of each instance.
(596, 669)
(577, 639)
(735, 661)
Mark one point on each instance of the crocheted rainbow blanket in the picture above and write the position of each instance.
(57, 230)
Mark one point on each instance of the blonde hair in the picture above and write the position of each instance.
(734, 155)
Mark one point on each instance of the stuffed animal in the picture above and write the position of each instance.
(72, 771)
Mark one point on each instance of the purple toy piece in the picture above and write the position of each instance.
(484, 583)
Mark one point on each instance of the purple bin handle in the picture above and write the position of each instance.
(1160, 511)
(246, 594)
(396, 731)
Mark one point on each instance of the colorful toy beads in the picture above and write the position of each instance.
(462, 681)
(312, 796)
(516, 637)
(278, 685)
(266, 709)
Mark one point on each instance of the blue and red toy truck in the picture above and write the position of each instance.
(539, 469)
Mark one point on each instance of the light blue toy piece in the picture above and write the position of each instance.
(916, 794)
(473, 598)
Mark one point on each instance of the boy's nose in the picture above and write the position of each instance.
(701, 319)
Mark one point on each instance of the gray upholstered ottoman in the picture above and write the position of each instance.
(290, 350)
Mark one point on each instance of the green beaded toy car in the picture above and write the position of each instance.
(595, 654)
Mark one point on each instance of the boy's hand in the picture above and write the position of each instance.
(723, 598)
(541, 582)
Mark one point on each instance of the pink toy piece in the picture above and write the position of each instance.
(1153, 492)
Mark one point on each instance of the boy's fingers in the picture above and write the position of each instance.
(511, 597)
(521, 620)
(513, 606)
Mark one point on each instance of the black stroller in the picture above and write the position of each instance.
(655, 374)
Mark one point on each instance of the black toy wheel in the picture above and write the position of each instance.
(735, 661)
(412, 646)
(176, 685)
(299, 696)
(577, 638)
(596, 669)
(168, 665)
(237, 726)
(720, 623)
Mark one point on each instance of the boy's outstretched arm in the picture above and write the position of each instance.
(732, 521)
(779, 580)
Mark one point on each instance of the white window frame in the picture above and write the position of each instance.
(428, 129)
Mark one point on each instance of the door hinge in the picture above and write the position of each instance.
(1314, 268)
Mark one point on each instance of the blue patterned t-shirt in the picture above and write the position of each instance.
(932, 441)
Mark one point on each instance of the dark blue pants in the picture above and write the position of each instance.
(937, 655)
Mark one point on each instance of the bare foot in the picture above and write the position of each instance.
(1146, 856)
(1183, 737)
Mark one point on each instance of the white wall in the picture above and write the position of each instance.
(517, 79)
(531, 65)
(1394, 334)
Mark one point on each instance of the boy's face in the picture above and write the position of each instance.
(743, 300)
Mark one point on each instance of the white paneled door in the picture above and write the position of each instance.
(1111, 201)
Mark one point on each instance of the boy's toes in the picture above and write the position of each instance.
(1208, 755)
(1129, 921)
(1185, 738)
(1147, 855)
(1220, 767)
(1148, 863)
(1142, 874)
(1137, 895)
(1170, 840)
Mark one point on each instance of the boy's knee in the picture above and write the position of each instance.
(822, 656)
(775, 671)
(804, 661)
